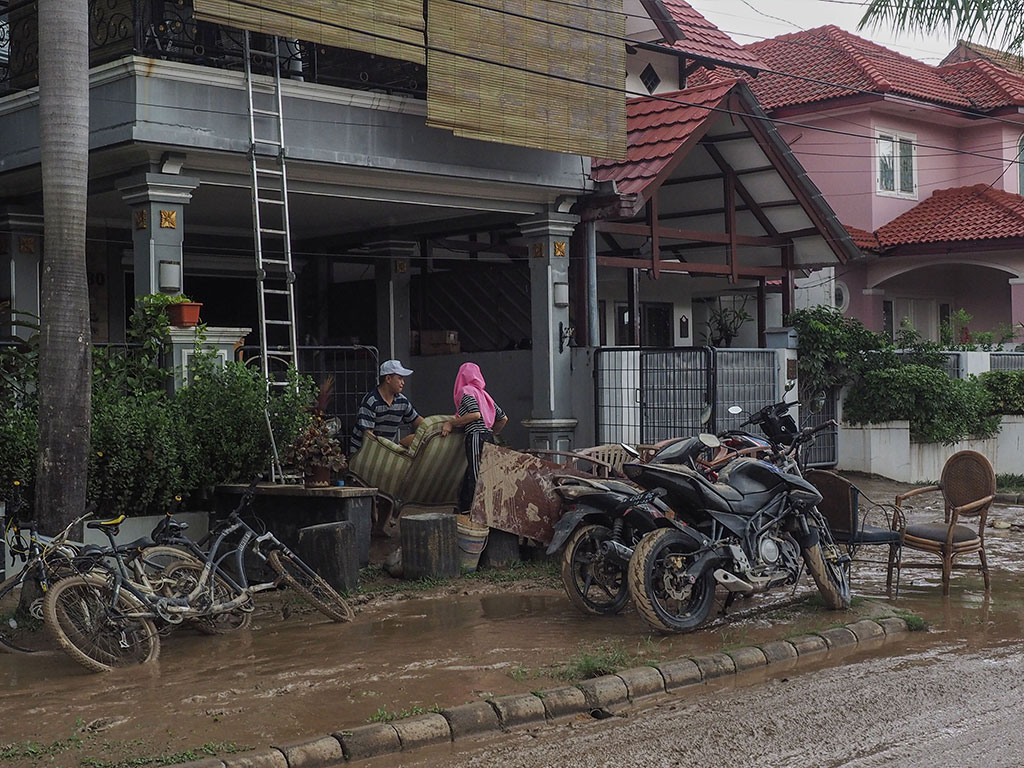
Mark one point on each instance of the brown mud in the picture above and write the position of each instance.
(294, 674)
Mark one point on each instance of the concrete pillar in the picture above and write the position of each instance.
(157, 202)
(391, 275)
(872, 309)
(1017, 306)
(21, 253)
(552, 424)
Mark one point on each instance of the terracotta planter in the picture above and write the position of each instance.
(185, 314)
(318, 477)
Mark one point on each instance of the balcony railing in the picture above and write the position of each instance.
(168, 29)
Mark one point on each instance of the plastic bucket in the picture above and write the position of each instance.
(472, 539)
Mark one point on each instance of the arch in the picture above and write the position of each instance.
(901, 269)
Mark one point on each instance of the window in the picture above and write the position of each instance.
(842, 296)
(897, 164)
(649, 77)
(655, 325)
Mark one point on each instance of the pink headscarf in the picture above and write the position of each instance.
(471, 382)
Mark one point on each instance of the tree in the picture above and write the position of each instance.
(964, 18)
(64, 353)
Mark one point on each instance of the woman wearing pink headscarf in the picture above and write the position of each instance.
(481, 419)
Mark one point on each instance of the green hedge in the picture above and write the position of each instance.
(1007, 390)
(940, 409)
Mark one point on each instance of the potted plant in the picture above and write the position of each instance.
(182, 311)
(316, 453)
(724, 323)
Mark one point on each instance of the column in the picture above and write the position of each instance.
(157, 202)
(551, 425)
(1017, 306)
(392, 276)
(872, 311)
(21, 253)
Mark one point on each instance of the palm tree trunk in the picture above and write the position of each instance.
(65, 353)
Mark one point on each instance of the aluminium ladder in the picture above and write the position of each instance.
(275, 275)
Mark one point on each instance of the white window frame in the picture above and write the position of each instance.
(887, 143)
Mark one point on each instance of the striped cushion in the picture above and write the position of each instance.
(381, 464)
(438, 466)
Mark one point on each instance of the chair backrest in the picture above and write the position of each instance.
(839, 500)
(612, 453)
(381, 464)
(438, 465)
(967, 476)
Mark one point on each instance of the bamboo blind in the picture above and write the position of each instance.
(393, 28)
(514, 79)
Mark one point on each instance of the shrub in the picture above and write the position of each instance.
(1007, 390)
(939, 409)
(19, 436)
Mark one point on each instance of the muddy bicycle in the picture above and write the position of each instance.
(44, 560)
(105, 620)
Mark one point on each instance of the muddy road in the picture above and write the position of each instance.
(921, 709)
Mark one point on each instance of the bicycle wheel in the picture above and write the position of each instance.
(311, 586)
(12, 620)
(181, 578)
(82, 615)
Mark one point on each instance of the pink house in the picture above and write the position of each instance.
(919, 162)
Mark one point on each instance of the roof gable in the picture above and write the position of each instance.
(954, 215)
(704, 39)
(985, 84)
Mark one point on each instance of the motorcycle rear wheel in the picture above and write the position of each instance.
(594, 585)
(829, 575)
(651, 577)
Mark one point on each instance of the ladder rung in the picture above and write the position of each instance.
(282, 352)
(269, 201)
(277, 322)
(269, 231)
(269, 171)
(268, 142)
(272, 112)
(276, 291)
(274, 261)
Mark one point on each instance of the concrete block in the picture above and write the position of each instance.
(714, 665)
(893, 625)
(369, 741)
(679, 673)
(604, 691)
(747, 658)
(567, 700)
(264, 758)
(471, 719)
(316, 753)
(423, 730)
(839, 637)
(642, 681)
(778, 651)
(209, 762)
(807, 644)
(519, 709)
(866, 630)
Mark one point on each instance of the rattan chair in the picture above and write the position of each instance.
(841, 505)
(968, 487)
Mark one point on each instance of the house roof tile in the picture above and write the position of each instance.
(987, 86)
(656, 128)
(963, 213)
(862, 238)
(704, 39)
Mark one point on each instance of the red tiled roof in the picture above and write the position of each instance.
(987, 86)
(862, 238)
(656, 129)
(963, 213)
(966, 50)
(704, 39)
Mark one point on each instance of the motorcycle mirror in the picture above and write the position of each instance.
(790, 385)
(705, 414)
(630, 450)
(817, 404)
(709, 441)
(735, 410)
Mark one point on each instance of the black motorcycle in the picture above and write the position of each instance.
(748, 530)
(602, 521)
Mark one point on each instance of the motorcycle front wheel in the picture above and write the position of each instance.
(593, 583)
(660, 589)
(829, 574)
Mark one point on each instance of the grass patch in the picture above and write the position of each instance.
(383, 715)
(519, 672)
(70, 751)
(603, 659)
(1010, 483)
(915, 623)
(543, 571)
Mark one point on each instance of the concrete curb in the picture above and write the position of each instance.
(505, 712)
(1013, 499)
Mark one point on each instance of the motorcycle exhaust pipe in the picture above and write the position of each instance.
(731, 582)
(617, 551)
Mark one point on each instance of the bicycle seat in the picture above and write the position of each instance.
(101, 524)
(138, 544)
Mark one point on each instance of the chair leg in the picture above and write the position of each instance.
(888, 575)
(947, 570)
(984, 569)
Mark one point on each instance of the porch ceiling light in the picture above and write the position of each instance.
(561, 295)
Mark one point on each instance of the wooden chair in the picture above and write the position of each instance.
(968, 487)
(848, 520)
(579, 461)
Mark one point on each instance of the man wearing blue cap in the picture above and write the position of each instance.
(384, 409)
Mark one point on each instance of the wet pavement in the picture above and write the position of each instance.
(300, 676)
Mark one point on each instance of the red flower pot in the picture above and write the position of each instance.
(184, 314)
(318, 477)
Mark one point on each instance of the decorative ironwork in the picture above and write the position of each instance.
(168, 29)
